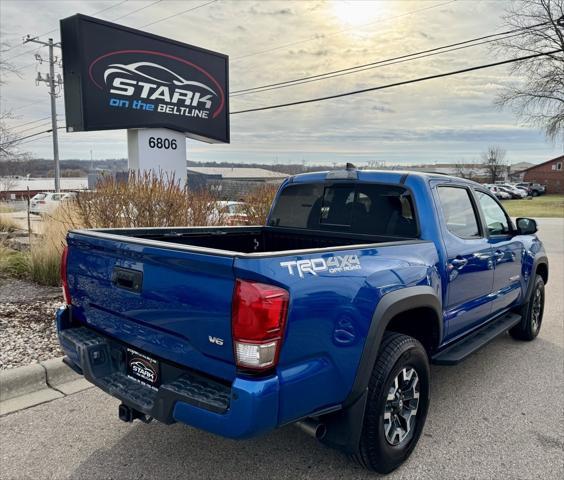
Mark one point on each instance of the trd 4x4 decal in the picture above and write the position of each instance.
(334, 264)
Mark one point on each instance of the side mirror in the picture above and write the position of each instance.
(526, 226)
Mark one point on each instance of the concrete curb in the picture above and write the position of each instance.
(31, 385)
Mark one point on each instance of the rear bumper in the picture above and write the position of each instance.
(243, 409)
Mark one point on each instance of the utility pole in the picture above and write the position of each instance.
(53, 84)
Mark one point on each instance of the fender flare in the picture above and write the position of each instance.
(345, 426)
(541, 260)
(391, 305)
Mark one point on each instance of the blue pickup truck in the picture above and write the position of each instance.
(327, 317)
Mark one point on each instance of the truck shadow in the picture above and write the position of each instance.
(465, 401)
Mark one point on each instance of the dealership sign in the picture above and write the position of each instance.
(119, 78)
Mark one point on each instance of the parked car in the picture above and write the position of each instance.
(499, 192)
(513, 190)
(536, 189)
(48, 202)
(328, 317)
(232, 213)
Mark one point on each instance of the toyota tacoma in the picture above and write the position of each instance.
(328, 316)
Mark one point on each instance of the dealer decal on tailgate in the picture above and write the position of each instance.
(142, 368)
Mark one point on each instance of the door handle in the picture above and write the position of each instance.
(499, 254)
(459, 263)
(127, 279)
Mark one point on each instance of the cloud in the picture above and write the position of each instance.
(434, 120)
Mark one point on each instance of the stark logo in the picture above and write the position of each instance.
(334, 264)
(157, 82)
(143, 369)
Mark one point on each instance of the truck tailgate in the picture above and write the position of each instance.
(171, 303)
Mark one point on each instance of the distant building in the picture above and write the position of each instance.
(516, 171)
(232, 183)
(16, 188)
(550, 173)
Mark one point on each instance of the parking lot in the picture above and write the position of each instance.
(500, 414)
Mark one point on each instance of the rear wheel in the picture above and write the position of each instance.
(398, 400)
(532, 313)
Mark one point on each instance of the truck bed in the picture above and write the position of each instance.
(244, 240)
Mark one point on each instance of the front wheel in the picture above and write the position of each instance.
(398, 400)
(532, 312)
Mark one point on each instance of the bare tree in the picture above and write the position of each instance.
(7, 183)
(493, 161)
(8, 138)
(539, 99)
(466, 170)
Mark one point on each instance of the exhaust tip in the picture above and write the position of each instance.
(313, 428)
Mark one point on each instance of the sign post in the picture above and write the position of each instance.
(159, 150)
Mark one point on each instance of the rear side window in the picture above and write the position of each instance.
(370, 209)
(458, 212)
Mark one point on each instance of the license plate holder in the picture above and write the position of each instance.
(143, 368)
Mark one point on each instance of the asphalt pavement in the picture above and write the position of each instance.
(499, 414)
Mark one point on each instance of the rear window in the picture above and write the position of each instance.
(39, 196)
(370, 209)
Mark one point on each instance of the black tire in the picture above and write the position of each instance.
(535, 193)
(529, 326)
(397, 352)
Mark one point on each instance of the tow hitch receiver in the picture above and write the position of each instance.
(128, 414)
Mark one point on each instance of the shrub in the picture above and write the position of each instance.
(7, 224)
(147, 199)
(13, 263)
(44, 257)
(258, 202)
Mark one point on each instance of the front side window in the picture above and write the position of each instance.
(458, 212)
(495, 217)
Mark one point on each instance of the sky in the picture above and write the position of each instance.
(445, 120)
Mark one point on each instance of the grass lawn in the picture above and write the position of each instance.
(543, 206)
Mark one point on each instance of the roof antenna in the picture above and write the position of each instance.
(350, 166)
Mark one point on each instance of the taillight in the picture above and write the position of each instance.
(258, 323)
(64, 282)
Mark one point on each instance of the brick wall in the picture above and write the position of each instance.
(547, 174)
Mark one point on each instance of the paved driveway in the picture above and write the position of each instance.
(500, 414)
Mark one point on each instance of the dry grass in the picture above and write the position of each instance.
(7, 224)
(5, 207)
(258, 203)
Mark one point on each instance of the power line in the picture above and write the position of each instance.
(135, 11)
(17, 140)
(33, 121)
(420, 54)
(56, 29)
(396, 84)
(323, 37)
(33, 140)
(91, 14)
(177, 14)
(32, 128)
(22, 54)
